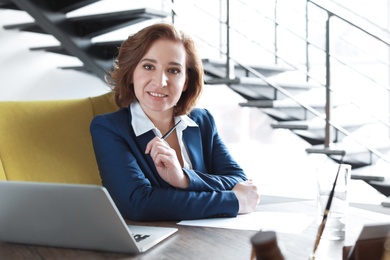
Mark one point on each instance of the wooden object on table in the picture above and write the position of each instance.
(265, 246)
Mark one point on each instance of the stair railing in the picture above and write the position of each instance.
(327, 67)
(327, 118)
(330, 14)
(328, 121)
(327, 150)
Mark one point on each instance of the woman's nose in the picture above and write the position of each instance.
(161, 79)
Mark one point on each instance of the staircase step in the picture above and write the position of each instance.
(53, 49)
(314, 125)
(277, 104)
(98, 50)
(97, 24)
(78, 68)
(25, 27)
(356, 155)
(211, 71)
(93, 25)
(376, 172)
(313, 131)
(295, 125)
(265, 70)
(321, 149)
(68, 5)
(6, 4)
(252, 88)
(257, 89)
(55, 6)
(383, 187)
(284, 110)
(254, 81)
(377, 175)
(105, 50)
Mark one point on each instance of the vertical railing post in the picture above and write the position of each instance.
(388, 102)
(327, 85)
(222, 35)
(229, 62)
(307, 42)
(276, 31)
(173, 11)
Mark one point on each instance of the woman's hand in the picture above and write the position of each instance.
(248, 196)
(166, 162)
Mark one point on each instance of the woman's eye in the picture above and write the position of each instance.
(174, 71)
(148, 67)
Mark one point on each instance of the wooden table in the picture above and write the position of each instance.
(215, 243)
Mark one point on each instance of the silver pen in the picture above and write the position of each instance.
(170, 131)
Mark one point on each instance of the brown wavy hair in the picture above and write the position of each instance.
(135, 47)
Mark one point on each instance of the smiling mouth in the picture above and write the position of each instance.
(154, 94)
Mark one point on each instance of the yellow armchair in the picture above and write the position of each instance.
(49, 141)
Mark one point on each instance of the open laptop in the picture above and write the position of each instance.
(70, 215)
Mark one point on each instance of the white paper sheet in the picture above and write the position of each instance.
(281, 222)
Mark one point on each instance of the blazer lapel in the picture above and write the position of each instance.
(142, 141)
(192, 140)
(145, 161)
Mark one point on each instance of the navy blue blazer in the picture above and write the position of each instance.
(141, 194)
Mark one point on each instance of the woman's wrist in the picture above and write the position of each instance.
(182, 181)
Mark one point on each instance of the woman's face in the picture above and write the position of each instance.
(160, 77)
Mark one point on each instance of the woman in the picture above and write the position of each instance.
(157, 79)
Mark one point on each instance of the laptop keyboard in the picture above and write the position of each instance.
(140, 237)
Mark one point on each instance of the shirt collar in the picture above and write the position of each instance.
(142, 124)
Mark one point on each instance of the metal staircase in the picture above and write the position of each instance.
(327, 123)
(75, 34)
(307, 117)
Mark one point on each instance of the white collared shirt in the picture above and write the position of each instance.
(142, 124)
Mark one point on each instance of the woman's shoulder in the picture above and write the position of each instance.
(201, 115)
(119, 115)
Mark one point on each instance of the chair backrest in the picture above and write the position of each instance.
(49, 141)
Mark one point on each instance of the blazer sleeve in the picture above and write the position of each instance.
(221, 171)
(138, 193)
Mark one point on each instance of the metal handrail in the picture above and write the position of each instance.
(353, 24)
(315, 112)
(366, 31)
(333, 13)
(307, 73)
(327, 119)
